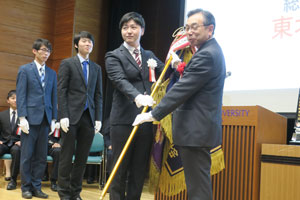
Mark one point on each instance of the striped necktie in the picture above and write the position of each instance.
(137, 57)
(42, 73)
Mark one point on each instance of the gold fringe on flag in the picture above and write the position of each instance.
(170, 185)
(217, 160)
(161, 179)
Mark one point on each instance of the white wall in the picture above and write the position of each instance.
(276, 100)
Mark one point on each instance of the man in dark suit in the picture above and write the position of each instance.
(80, 113)
(10, 137)
(37, 110)
(128, 68)
(197, 101)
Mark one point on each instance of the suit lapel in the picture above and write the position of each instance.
(47, 73)
(7, 117)
(92, 71)
(35, 71)
(16, 126)
(129, 56)
(79, 68)
(144, 62)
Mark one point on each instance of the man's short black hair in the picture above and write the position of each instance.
(11, 93)
(207, 16)
(83, 34)
(136, 17)
(39, 42)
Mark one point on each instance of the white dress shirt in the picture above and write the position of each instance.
(131, 49)
(87, 67)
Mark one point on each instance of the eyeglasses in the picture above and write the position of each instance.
(193, 27)
(44, 50)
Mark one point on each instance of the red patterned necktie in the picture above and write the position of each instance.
(137, 58)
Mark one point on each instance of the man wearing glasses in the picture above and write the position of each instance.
(196, 100)
(37, 111)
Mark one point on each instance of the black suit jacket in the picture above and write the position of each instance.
(129, 81)
(72, 91)
(6, 134)
(198, 99)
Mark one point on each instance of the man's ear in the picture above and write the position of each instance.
(34, 51)
(211, 29)
(142, 31)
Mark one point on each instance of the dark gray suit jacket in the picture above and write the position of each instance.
(197, 98)
(129, 81)
(72, 91)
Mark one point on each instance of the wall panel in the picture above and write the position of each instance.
(19, 41)
(63, 31)
(10, 63)
(34, 16)
(21, 22)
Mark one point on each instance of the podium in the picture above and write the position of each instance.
(245, 128)
(280, 172)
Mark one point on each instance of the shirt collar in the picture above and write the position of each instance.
(11, 110)
(131, 48)
(38, 65)
(82, 59)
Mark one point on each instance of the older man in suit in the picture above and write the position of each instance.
(197, 101)
(37, 110)
(129, 71)
(10, 137)
(80, 113)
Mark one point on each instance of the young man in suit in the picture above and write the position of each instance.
(37, 111)
(80, 113)
(196, 100)
(10, 138)
(128, 70)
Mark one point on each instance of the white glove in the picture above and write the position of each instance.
(24, 125)
(52, 125)
(57, 125)
(64, 124)
(98, 125)
(144, 100)
(141, 118)
(175, 59)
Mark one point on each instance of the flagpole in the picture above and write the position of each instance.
(116, 167)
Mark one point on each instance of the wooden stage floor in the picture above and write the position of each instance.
(89, 192)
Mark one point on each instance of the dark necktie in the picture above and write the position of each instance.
(42, 70)
(13, 120)
(84, 69)
(137, 57)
